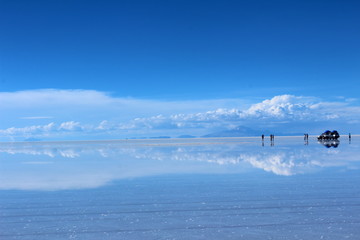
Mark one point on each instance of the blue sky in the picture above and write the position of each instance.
(174, 57)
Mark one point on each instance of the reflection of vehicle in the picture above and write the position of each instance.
(328, 135)
(329, 143)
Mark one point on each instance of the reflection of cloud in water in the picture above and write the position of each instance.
(279, 163)
(47, 151)
(284, 162)
(48, 166)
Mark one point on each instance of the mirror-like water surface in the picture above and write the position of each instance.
(231, 188)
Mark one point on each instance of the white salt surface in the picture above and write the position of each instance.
(236, 188)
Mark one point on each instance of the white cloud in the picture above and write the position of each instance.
(29, 130)
(280, 109)
(52, 97)
(94, 106)
(283, 106)
(70, 126)
(77, 112)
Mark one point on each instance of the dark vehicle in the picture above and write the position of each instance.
(328, 135)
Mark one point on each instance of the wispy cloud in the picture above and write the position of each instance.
(83, 113)
(37, 117)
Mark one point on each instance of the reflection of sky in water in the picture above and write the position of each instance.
(180, 189)
(92, 164)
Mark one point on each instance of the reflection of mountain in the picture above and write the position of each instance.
(87, 165)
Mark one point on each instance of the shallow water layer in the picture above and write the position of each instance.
(230, 188)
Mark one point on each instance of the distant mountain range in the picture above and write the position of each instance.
(31, 139)
(236, 132)
(186, 136)
(242, 131)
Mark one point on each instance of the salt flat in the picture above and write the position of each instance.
(226, 188)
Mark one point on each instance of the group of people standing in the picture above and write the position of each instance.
(271, 137)
(306, 137)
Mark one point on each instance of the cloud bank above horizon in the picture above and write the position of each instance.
(89, 114)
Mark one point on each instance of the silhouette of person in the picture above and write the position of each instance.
(349, 138)
(272, 137)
